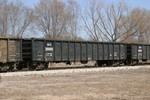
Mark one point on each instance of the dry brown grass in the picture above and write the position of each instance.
(113, 85)
(0, 78)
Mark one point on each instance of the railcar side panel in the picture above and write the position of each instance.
(65, 53)
(14, 50)
(148, 52)
(38, 50)
(144, 52)
(134, 49)
(111, 51)
(95, 51)
(57, 51)
(77, 51)
(10, 50)
(101, 54)
(139, 51)
(116, 51)
(3, 51)
(84, 52)
(71, 51)
(89, 51)
(123, 51)
(49, 51)
(106, 51)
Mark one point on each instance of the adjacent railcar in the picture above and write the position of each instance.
(41, 51)
(10, 52)
(136, 52)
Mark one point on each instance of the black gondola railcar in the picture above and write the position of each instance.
(136, 52)
(41, 51)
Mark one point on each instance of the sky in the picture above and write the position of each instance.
(133, 3)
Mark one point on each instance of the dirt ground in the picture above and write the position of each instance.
(113, 85)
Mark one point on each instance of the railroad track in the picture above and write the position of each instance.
(51, 68)
(69, 67)
(72, 71)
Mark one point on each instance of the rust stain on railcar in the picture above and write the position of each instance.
(10, 50)
(14, 50)
(3, 51)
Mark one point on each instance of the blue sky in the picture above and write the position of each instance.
(133, 3)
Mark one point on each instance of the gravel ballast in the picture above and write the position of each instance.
(70, 71)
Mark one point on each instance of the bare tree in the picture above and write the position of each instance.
(102, 22)
(91, 19)
(113, 22)
(146, 37)
(20, 17)
(3, 17)
(57, 19)
(15, 18)
(73, 17)
(51, 20)
(136, 27)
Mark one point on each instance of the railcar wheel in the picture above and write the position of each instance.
(109, 63)
(99, 63)
(31, 66)
(46, 66)
(11, 67)
(137, 61)
(68, 63)
(84, 62)
(20, 66)
(127, 62)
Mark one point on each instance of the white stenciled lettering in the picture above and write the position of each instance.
(49, 54)
(49, 49)
(115, 53)
(49, 44)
